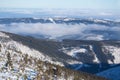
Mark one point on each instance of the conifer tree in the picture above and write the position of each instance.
(9, 61)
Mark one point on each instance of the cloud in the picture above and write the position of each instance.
(105, 14)
(83, 31)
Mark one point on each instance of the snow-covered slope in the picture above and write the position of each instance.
(108, 50)
(19, 61)
(115, 51)
(98, 55)
(7, 43)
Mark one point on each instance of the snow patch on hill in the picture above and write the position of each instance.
(74, 51)
(115, 51)
(96, 60)
(51, 20)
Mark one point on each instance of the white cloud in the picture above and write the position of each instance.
(58, 30)
(106, 14)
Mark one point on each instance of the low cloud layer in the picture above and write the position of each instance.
(94, 32)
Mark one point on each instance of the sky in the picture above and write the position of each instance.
(81, 4)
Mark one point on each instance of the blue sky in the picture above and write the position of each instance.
(82, 4)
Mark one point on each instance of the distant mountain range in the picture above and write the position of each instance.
(67, 21)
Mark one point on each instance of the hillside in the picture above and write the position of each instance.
(19, 61)
(84, 55)
(112, 73)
